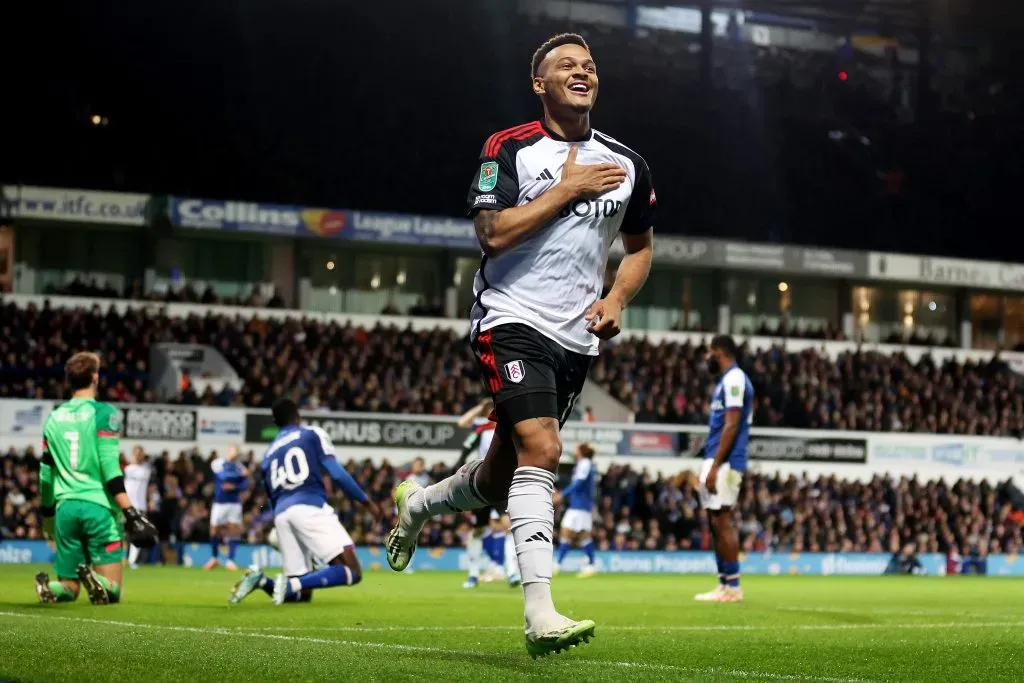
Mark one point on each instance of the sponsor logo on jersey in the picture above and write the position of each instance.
(601, 208)
(734, 391)
(485, 199)
(488, 176)
(515, 371)
(717, 404)
(545, 175)
(654, 197)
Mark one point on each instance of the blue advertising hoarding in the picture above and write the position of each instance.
(298, 221)
(636, 562)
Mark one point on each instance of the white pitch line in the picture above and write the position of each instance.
(646, 629)
(571, 661)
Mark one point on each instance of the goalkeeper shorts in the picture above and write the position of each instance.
(86, 533)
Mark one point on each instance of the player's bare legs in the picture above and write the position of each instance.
(727, 551)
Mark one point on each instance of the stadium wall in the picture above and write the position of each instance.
(635, 562)
(668, 449)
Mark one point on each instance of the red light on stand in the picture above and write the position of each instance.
(843, 76)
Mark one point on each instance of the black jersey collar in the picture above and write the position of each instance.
(589, 135)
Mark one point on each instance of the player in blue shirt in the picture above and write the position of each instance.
(308, 529)
(230, 478)
(725, 461)
(578, 520)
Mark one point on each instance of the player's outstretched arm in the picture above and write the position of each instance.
(499, 231)
(140, 530)
(48, 503)
(730, 432)
(479, 410)
(634, 268)
(343, 479)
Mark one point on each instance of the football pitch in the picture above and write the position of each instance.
(174, 625)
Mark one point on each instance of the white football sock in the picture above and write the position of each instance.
(474, 552)
(454, 494)
(533, 523)
(511, 561)
(133, 554)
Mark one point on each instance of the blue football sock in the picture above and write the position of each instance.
(721, 570)
(732, 574)
(267, 585)
(590, 549)
(214, 546)
(232, 547)
(331, 575)
(563, 550)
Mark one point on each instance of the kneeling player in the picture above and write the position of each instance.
(578, 521)
(725, 461)
(82, 492)
(308, 529)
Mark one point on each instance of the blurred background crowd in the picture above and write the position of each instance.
(331, 366)
(635, 510)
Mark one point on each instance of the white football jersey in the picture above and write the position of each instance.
(485, 428)
(550, 280)
(136, 484)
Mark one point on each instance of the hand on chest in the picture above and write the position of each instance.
(540, 172)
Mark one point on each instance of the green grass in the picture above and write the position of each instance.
(174, 625)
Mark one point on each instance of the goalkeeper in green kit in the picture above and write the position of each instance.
(83, 496)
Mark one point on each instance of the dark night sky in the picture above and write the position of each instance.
(385, 106)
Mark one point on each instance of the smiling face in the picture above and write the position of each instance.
(567, 79)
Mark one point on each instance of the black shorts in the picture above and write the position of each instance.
(528, 375)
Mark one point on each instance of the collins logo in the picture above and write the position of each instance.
(515, 371)
(323, 222)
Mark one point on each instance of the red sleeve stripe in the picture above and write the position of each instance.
(106, 435)
(522, 132)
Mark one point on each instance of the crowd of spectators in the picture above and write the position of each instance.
(332, 366)
(635, 510)
(866, 390)
(185, 293)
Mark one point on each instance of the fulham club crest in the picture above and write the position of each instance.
(515, 371)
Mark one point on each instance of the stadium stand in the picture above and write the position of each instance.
(636, 510)
(398, 370)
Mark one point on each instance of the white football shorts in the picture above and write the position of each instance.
(306, 533)
(727, 485)
(225, 513)
(578, 521)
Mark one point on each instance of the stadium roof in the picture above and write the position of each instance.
(889, 17)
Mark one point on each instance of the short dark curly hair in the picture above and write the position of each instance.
(550, 44)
